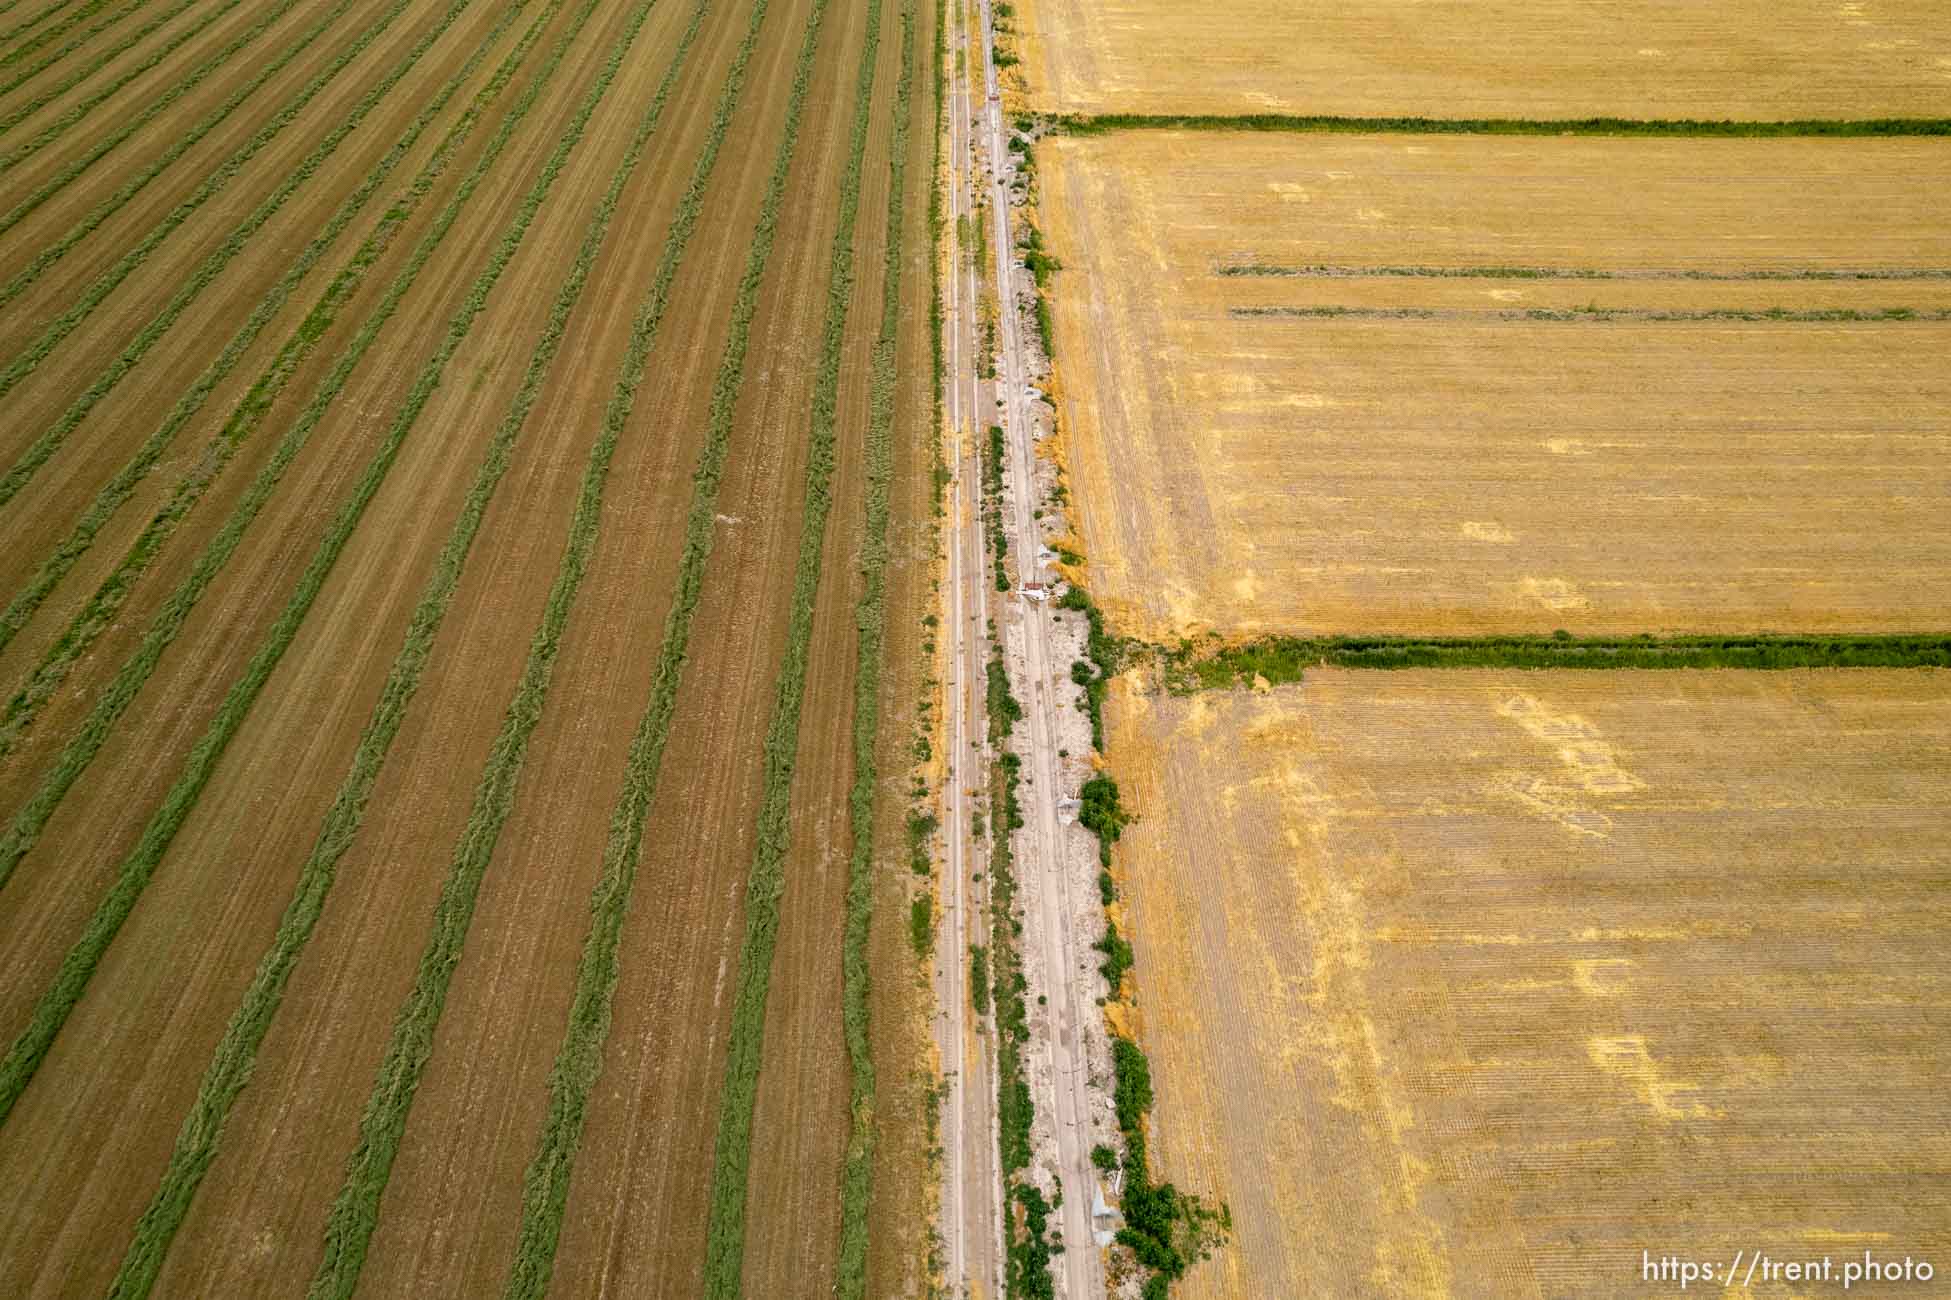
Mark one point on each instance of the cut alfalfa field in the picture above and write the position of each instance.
(1481, 983)
(1450, 385)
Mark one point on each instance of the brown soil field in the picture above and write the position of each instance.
(1488, 58)
(92, 1132)
(1303, 389)
(1482, 983)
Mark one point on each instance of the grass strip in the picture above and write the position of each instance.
(251, 409)
(1104, 123)
(355, 1211)
(1602, 315)
(229, 1070)
(25, 1056)
(870, 624)
(56, 30)
(1264, 270)
(1283, 659)
(27, 23)
(766, 883)
(579, 1059)
(68, 321)
(102, 211)
(80, 74)
(101, 609)
(49, 133)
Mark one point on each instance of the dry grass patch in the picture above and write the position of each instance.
(1524, 385)
(1485, 981)
(1486, 58)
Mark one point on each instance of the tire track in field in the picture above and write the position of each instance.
(99, 613)
(579, 1059)
(870, 622)
(53, 130)
(104, 284)
(353, 1218)
(28, 1050)
(252, 408)
(79, 75)
(725, 1241)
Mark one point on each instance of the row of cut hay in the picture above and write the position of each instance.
(78, 311)
(54, 31)
(745, 1050)
(180, 143)
(251, 409)
(28, 24)
(579, 1058)
(81, 73)
(1101, 123)
(231, 1066)
(54, 130)
(355, 1210)
(870, 623)
(140, 865)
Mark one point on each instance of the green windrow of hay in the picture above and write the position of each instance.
(30, 1048)
(251, 409)
(95, 63)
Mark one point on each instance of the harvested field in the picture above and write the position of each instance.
(1481, 983)
(1452, 386)
(1489, 58)
(364, 458)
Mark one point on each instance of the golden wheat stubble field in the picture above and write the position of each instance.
(1489, 58)
(1485, 981)
(1303, 390)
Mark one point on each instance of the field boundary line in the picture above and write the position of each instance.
(97, 62)
(214, 263)
(1285, 659)
(1322, 271)
(355, 1210)
(231, 1065)
(1079, 124)
(870, 623)
(579, 1059)
(28, 1050)
(270, 383)
(1605, 315)
(98, 613)
(48, 133)
(766, 882)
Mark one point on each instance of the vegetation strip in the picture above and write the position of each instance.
(101, 212)
(53, 130)
(1602, 315)
(1263, 270)
(230, 1068)
(252, 408)
(56, 30)
(78, 967)
(1283, 659)
(98, 614)
(1099, 124)
(725, 1234)
(27, 23)
(579, 1059)
(870, 624)
(95, 64)
(68, 321)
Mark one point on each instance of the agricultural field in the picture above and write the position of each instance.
(464, 525)
(1463, 385)
(1488, 58)
(1483, 982)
